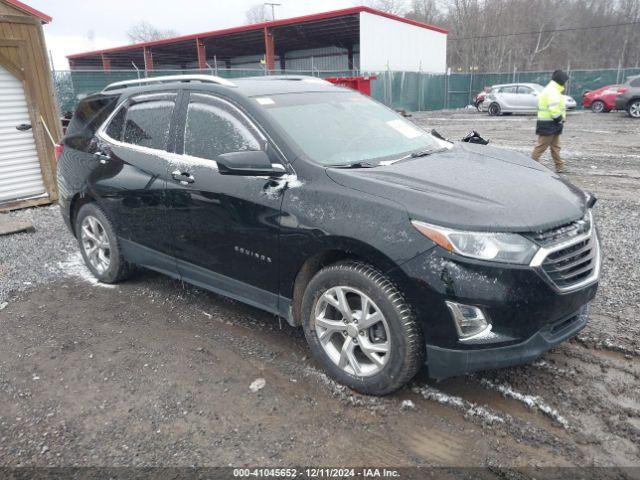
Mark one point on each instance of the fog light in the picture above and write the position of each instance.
(469, 320)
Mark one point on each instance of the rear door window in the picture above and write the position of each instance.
(214, 127)
(511, 89)
(147, 121)
(524, 90)
(635, 82)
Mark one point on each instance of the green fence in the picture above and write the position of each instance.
(411, 91)
(423, 91)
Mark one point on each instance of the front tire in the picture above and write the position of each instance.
(361, 329)
(99, 245)
(494, 110)
(634, 108)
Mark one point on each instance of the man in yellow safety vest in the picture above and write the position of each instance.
(551, 116)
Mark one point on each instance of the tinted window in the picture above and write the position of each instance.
(525, 90)
(635, 82)
(89, 115)
(508, 89)
(212, 128)
(114, 129)
(147, 123)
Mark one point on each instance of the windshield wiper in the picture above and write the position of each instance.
(355, 165)
(424, 153)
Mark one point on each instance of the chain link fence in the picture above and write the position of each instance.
(412, 91)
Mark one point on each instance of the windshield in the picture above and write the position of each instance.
(341, 128)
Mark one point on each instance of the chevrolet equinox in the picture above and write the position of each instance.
(390, 247)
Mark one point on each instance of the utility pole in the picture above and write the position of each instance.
(273, 12)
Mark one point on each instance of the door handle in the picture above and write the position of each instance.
(184, 178)
(23, 127)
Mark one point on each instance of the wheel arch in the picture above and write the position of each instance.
(77, 202)
(335, 250)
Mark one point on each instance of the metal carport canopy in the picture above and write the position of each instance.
(337, 27)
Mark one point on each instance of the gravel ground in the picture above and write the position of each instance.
(153, 372)
(30, 259)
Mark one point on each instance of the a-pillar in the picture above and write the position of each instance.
(148, 59)
(202, 54)
(269, 50)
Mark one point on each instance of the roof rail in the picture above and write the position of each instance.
(170, 78)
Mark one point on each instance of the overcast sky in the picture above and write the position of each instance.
(79, 26)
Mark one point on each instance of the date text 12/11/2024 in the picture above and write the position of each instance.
(315, 473)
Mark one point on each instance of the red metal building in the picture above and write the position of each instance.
(358, 38)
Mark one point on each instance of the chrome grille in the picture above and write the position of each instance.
(572, 264)
(569, 257)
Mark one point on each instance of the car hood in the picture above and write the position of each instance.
(472, 187)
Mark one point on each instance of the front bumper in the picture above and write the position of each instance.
(529, 313)
(446, 362)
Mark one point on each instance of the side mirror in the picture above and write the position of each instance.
(248, 163)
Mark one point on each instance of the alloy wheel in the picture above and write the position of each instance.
(634, 109)
(597, 106)
(352, 331)
(95, 243)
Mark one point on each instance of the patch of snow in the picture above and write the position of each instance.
(257, 385)
(3, 305)
(408, 405)
(469, 408)
(74, 266)
(281, 183)
(532, 401)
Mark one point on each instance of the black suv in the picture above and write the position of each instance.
(629, 97)
(390, 247)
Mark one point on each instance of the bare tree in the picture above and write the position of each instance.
(427, 11)
(503, 35)
(396, 7)
(145, 32)
(256, 14)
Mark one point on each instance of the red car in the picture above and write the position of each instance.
(601, 100)
(479, 98)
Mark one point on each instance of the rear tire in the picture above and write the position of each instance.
(634, 108)
(494, 110)
(99, 245)
(375, 352)
(597, 106)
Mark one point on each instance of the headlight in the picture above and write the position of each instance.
(497, 247)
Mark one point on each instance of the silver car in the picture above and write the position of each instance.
(511, 98)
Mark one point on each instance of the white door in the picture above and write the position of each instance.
(20, 174)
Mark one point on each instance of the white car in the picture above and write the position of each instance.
(511, 98)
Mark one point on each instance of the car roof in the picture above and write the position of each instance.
(516, 85)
